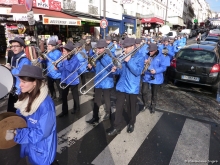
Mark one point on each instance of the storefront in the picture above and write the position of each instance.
(177, 22)
(128, 24)
(114, 26)
(151, 25)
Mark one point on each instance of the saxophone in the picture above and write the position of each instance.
(146, 65)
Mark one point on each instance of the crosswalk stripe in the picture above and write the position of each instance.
(124, 146)
(82, 98)
(193, 143)
(68, 136)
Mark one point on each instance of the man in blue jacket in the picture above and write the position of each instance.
(52, 74)
(18, 59)
(153, 76)
(166, 47)
(67, 67)
(128, 85)
(103, 86)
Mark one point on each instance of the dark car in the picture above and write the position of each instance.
(197, 64)
(212, 38)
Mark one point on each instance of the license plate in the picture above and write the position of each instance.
(190, 78)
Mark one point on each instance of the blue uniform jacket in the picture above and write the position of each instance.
(113, 49)
(107, 82)
(39, 139)
(23, 60)
(82, 61)
(170, 48)
(130, 74)
(67, 67)
(159, 65)
(54, 55)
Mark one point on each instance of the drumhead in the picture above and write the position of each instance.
(6, 81)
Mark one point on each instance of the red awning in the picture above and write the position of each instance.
(20, 9)
(152, 20)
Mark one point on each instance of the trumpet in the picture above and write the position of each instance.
(115, 62)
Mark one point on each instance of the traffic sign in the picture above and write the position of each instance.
(103, 23)
(28, 4)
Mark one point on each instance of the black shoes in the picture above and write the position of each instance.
(130, 128)
(74, 111)
(93, 121)
(152, 109)
(114, 132)
(106, 117)
(62, 114)
(144, 108)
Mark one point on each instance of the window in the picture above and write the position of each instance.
(202, 56)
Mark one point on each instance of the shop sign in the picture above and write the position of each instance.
(61, 21)
(42, 4)
(45, 4)
(9, 2)
(20, 17)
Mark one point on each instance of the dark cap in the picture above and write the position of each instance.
(166, 39)
(52, 42)
(114, 39)
(152, 47)
(31, 71)
(101, 43)
(108, 38)
(19, 40)
(128, 42)
(138, 41)
(78, 44)
(69, 46)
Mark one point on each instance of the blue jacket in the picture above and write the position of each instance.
(113, 48)
(159, 65)
(23, 60)
(130, 75)
(101, 63)
(170, 48)
(83, 60)
(67, 67)
(39, 139)
(54, 55)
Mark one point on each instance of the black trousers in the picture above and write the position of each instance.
(98, 101)
(11, 101)
(131, 100)
(83, 79)
(50, 83)
(146, 89)
(75, 94)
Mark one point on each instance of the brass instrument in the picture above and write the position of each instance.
(94, 58)
(146, 65)
(44, 55)
(116, 62)
(69, 55)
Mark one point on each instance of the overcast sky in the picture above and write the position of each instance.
(214, 5)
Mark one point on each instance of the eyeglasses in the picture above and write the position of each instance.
(15, 46)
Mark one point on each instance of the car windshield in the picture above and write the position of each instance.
(212, 39)
(195, 55)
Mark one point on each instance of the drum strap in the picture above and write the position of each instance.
(17, 61)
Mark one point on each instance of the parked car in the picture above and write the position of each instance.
(212, 38)
(197, 64)
(172, 34)
(188, 32)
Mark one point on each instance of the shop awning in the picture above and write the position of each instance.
(89, 20)
(50, 17)
(152, 20)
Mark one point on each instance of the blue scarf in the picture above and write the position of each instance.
(15, 57)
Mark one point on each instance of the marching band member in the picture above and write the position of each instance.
(39, 139)
(17, 61)
(66, 67)
(167, 46)
(83, 60)
(104, 86)
(53, 75)
(110, 44)
(128, 86)
(153, 75)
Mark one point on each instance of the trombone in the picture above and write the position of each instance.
(44, 55)
(115, 62)
(59, 60)
(92, 60)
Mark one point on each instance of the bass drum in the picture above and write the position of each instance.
(6, 82)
